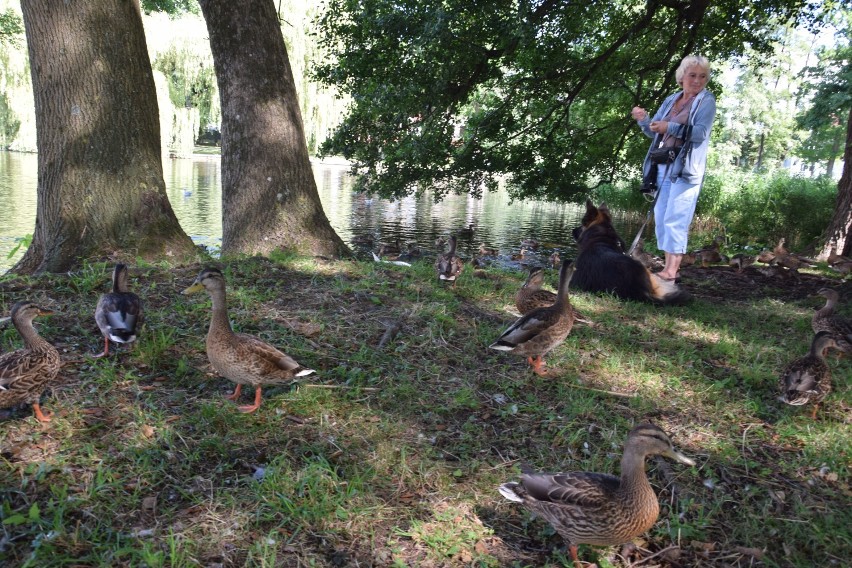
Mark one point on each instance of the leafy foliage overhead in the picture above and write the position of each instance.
(829, 84)
(452, 95)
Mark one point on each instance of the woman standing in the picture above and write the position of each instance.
(682, 124)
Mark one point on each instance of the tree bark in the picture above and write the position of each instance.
(269, 194)
(100, 174)
(838, 232)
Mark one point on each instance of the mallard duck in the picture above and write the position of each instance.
(647, 259)
(531, 296)
(363, 240)
(826, 320)
(241, 358)
(521, 255)
(448, 265)
(710, 254)
(535, 333)
(118, 312)
(25, 373)
(467, 231)
(554, 259)
(842, 266)
(386, 249)
(599, 508)
(766, 256)
(834, 258)
(486, 251)
(529, 243)
(741, 261)
(808, 379)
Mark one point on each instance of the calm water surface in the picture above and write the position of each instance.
(195, 191)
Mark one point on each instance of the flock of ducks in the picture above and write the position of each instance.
(583, 507)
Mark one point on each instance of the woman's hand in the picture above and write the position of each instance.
(659, 126)
(639, 113)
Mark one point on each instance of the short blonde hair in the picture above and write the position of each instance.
(691, 61)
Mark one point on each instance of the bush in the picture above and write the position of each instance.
(765, 207)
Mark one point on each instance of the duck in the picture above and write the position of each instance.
(386, 249)
(766, 256)
(834, 258)
(25, 373)
(647, 259)
(448, 265)
(363, 240)
(842, 267)
(808, 379)
(118, 312)
(554, 259)
(599, 508)
(741, 261)
(530, 296)
(239, 357)
(529, 243)
(521, 255)
(824, 319)
(466, 231)
(486, 251)
(537, 332)
(710, 254)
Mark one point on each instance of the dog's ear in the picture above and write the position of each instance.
(604, 210)
(591, 213)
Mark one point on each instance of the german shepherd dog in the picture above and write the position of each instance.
(602, 264)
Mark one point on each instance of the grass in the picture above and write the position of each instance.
(391, 456)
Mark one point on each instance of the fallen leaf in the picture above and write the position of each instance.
(147, 430)
(149, 503)
(753, 552)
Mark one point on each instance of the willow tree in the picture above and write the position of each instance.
(269, 194)
(456, 95)
(100, 175)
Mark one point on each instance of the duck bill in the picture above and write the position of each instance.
(679, 457)
(196, 287)
(45, 312)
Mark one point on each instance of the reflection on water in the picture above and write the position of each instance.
(194, 189)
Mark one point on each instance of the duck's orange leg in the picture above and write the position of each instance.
(256, 405)
(40, 416)
(813, 414)
(537, 364)
(573, 550)
(105, 351)
(236, 394)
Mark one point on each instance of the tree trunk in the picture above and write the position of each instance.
(100, 173)
(269, 194)
(838, 232)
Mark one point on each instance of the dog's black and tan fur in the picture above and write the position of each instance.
(602, 264)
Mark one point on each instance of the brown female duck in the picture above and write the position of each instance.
(808, 379)
(535, 333)
(118, 312)
(241, 358)
(448, 265)
(598, 508)
(826, 320)
(25, 373)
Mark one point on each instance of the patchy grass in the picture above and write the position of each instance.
(391, 454)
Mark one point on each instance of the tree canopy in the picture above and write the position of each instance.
(455, 94)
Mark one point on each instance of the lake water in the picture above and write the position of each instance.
(194, 189)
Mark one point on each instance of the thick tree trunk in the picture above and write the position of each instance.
(100, 175)
(269, 194)
(840, 227)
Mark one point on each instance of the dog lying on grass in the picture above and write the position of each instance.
(602, 264)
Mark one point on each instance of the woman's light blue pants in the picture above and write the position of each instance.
(674, 211)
